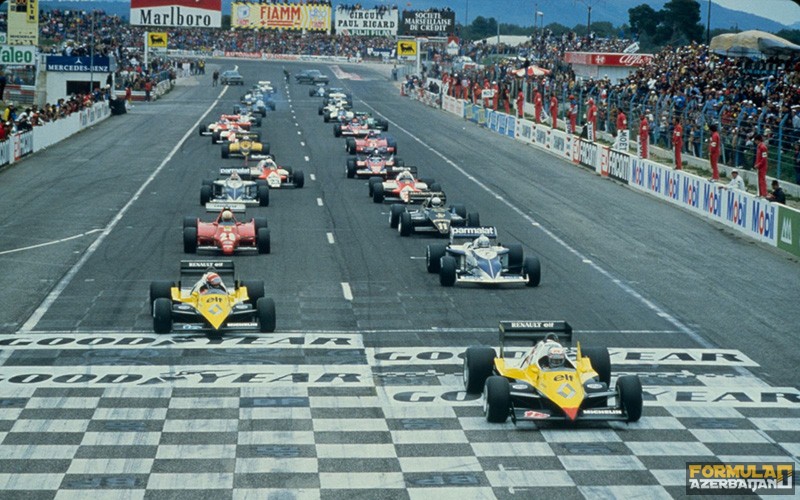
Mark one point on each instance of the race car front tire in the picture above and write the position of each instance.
(263, 195)
(258, 121)
(189, 222)
(237, 109)
(428, 181)
(271, 106)
(162, 315)
(433, 257)
(532, 269)
(205, 194)
(265, 308)
(478, 366)
(372, 182)
(190, 240)
(516, 256)
(326, 118)
(394, 214)
(350, 145)
(263, 241)
(435, 187)
(225, 152)
(255, 290)
(377, 192)
(629, 395)
(351, 169)
(260, 223)
(460, 210)
(160, 290)
(447, 273)
(337, 129)
(202, 129)
(321, 110)
(601, 362)
(399, 163)
(405, 227)
(299, 178)
(497, 399)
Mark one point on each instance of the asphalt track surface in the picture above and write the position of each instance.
(87, 224)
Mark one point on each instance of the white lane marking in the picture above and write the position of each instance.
(306, 158)
(299, 133)
(330, 238)
(40, 311)
(313, 177)
(296, 124)
(54, 242)
(679, 325)
(348, 294)
(319, 202)
(302, 143)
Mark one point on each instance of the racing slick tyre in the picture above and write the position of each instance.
(321, 109)
(262, 240)
(261, 182)
(337, 129)
(271, 106)
(237, 109)
(392, 144)
(225, 152)
(350, 146)
(399, 163)
(478, 366)
(255, 290)
(207, 182)
(263, 195)
(351, 169)
(202, 129)
(433, 257)
(215, 137)
(629, 396)
(260, 223)
(162, 315)
(405, 227)
(326, 118)
(428, 181)
(516, 258)
(189, 222)
(532, 269)
(372, 182)
(299, 178)
(258, 121)
(460, 210)
(395, 211)
(159, 290)
(205, 194)
(311, 92)
(255, 137)
(473, 219)
(497, 399)
(447, 273)
(601, 362)
(377, 192)
(435, 187)
(264, 148)
(265, 308)
(383, 125)
(190, 240)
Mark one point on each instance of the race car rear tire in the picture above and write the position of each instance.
(497, 399)
(399, 163)
(473, 219)
(255, 290)
(427, 180)
(264, 148)
(237, 109)
(311, 92)
(394, 214)
(271, 106)
(629, 395)
(225, 152)
(215, 137)
(190, 240)
(258, 121)
(516, 256)
(263, 195)
(326, 118)
(460, 210)
(260, 223)
(337, 129)
(351, 169)
(447, 274)
(433, 257)
(321, 109)
(205, 194)
(162, 315)
(265, 308)
(206, 182)
(350, 145)
(383, 125)
(299, 178)
(372, 182)
(377, 192)
(262, 240)
(601, 362)
(435, 187)
(189, 222)
(478, 366)
(405, 227)
(532, 269)
(201, 129)
(160, 290)
(256, 137)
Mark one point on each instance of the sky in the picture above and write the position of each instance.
(783, 11)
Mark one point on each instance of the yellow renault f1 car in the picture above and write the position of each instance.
(243, 148)
(199, 307)
(549, 382)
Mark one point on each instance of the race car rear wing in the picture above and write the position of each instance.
(533, 332)
(393, 171)
(457, 233)
(192, 270)
(244, 172)
(217, 206)
(421, 196)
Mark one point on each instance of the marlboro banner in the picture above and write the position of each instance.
(314, 17)
(23, 22)
(177, 13)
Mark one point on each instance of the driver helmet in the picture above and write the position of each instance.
(482, 242)
(227, 216)
(405, 177)
(436, 202)
(235, 176)
(213, 280)
(556, 357)
(373, 133)
(376, 152)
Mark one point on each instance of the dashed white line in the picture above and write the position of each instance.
(346, 291)
(319, 202)
(312, 177)
(39, 245)
(330, 238)
(307, 158)
(302, 143)
(298, 132)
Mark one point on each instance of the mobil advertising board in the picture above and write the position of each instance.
(739, 210)
(177, 13)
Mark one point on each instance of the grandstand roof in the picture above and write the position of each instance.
(752, 43)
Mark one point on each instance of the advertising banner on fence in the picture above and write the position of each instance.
(23, 22)
(789, 230)
(561, 143)
(265, 16)
(428, 23)
(73, 64)
(619, 165)
(17, 55)
(589, 154)
(366, 22)
(177, 13)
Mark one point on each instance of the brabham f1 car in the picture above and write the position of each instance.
(481, 260)
(244, 148)
(359, 126)
(378, 163)
(431, 216)
(235, 190)
(321, 90)
(276, 176)
(254, 104)
(336, 111)
(404, 188)
(550, 382)
(225, 233)
(229, 305)
(374, 140)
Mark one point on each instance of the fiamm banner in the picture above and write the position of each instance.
(23, 22)
(312, 17)
(366, 22)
